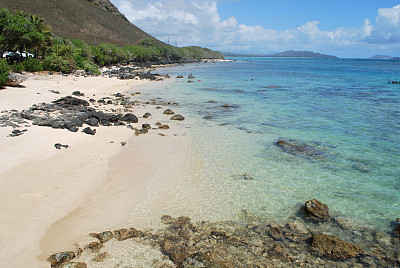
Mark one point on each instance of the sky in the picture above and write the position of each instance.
(344, 28)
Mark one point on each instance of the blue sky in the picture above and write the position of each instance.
(351, 28)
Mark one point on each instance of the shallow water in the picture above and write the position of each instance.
(346, 108)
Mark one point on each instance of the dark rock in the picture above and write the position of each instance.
(147, 115)
(177, 117)
(89, 131)
(59, 146)
(146, 126)
(335, 248)
(109, 102)
(123, 143)
(124, 234)
(396, 231)
(77, 93)
(129, 118)
(59, 258)
(179, 76)
(93, 121)
(92, 100)
(71, 101)
(168, 111)
(316, 211)
(54, 91)
(17, 132)
(101, 101)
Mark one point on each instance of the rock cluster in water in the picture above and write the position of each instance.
(251, 242)
(127, 72)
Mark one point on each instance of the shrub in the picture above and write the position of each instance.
(18, 67)
(90, 67)
(4, 70)
(58, 64)
(32, 65)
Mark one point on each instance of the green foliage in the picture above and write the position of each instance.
(147, 42)
(32, 65)
(57, 63)
(90, 67)
(17, 67)
(4, 70)
(18, 32)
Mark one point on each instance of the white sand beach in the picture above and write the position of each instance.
(50, 199)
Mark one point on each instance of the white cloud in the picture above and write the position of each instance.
(387, 29)
(197, 22)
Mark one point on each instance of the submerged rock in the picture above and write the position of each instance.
(177, 117)
(396, 231)
(124, 234)
(101, 257)
(316, 211)
(335, 248)
(310, 150)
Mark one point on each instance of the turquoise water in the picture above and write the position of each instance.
(345, 107)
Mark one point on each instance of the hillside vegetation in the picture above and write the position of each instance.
(92, 21)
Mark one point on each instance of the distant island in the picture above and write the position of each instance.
(383, 57)
(285, 54)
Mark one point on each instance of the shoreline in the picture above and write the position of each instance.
(151, 173)
(56, 189)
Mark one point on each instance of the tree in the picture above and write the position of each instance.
(45, 30)
(18, 32)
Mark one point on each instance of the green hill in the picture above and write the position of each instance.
(93, 21)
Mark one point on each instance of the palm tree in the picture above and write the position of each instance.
(45, 30)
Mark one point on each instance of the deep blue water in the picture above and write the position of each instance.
(344, 107)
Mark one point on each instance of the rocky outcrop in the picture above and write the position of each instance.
(335, 248)
(316, 211)
(14, 79)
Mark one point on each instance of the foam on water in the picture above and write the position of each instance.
(345, 106)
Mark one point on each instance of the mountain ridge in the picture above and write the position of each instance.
(93, 21)
(285, 54)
